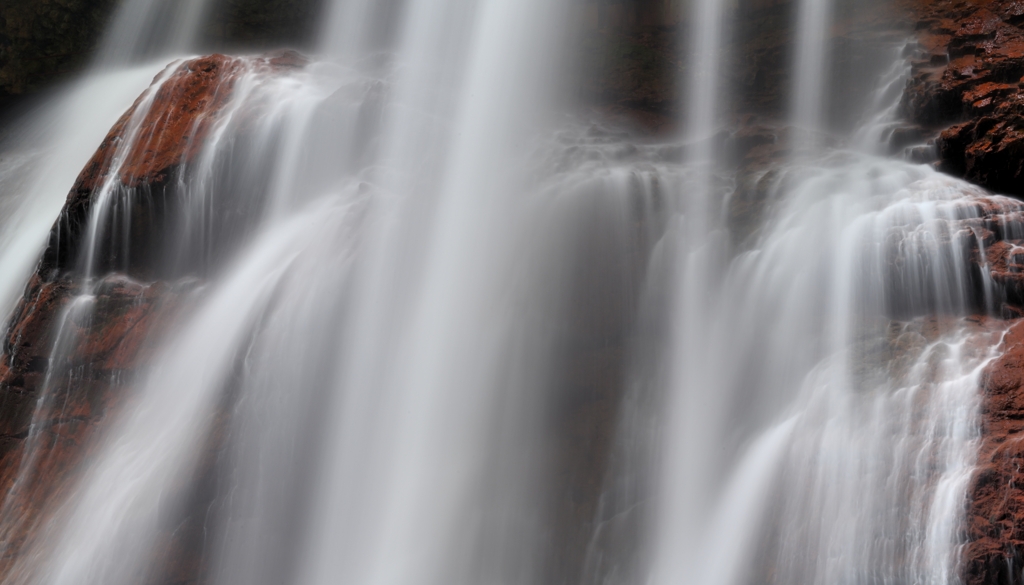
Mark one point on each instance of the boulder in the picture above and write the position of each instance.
(141, 162)
(68, 358)
(67, 361)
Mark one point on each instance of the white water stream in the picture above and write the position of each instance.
(369, 379)
(810, 66)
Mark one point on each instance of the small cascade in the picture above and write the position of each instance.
(47, 153)
(877, 134)
(856, 243)
(879, 471)
(811, 67)
(797, 355)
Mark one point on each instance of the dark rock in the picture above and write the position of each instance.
(43, 41)
(40, 40)
(988, 151)
(631, 74)
(264, 24)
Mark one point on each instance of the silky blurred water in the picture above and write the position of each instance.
(447, 332)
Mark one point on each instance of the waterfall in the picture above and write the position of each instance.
(781, 433)
(412, 284)
(47, 152)
(146, 30)
(810, 67)
(424, 321)
(50, 147)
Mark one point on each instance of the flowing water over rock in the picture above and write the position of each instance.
(389, 314)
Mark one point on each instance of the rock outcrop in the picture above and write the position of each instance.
(67, 361)
(68, 358)
(968, 87)
(141, 162)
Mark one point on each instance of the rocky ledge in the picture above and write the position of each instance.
(967, 87)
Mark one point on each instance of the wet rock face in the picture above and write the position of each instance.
(970, 85)
(68, 359)
(172, 130)
(66, 363)
(995, 514)
(141, 166)
(995, 504)
(988, 151)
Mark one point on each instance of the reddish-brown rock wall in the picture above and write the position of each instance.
(67, 359)
(62, 370)
(969, 88)
(995, 513)
(166, 128)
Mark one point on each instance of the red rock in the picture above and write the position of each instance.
(971, 86)
(174, 128)
(174, 119)
(995, 514)
(102, 348)
(87, 382)
(995, 501)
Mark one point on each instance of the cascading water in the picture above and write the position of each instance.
(806, 420)
(404, 298)
(41, 159)
(49, 148)
(810, 66)
(411, 347)
(146, 30)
